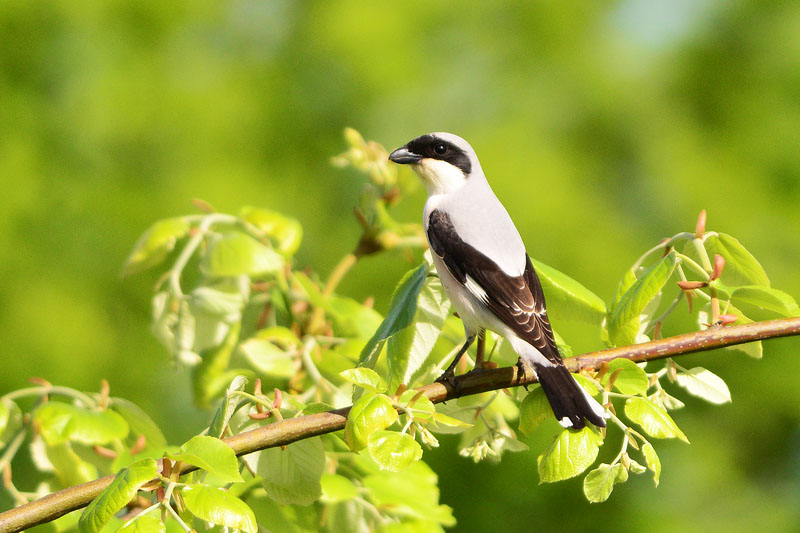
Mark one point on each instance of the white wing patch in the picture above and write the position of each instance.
(476, 290)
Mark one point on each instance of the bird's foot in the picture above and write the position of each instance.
(521, 374)
(448, 377)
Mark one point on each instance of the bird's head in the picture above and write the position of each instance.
(443, 161)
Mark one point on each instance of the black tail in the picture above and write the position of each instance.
(567, 398)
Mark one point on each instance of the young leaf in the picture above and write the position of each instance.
(393, 451)
(336, 488)
(212, 455)
(208, 377)
(236, 253)
(570, 299)
(631, 379)
(624, 320)
(752, 349)
(139, 423)
(653, 419)
(144, 524)
(419, 404)
(534, 410)
(287, 231)
(372, 412)
(117, 495)
(155, 244)
(291, 475)
(218, 507)
(570, 454)
(741, 268)
(62, 422)
(767, 299)
(366, 378)
(705, 384)
(408, 351)
(226, 408)
(68, 466)
(402, 309)
(598, 484)
(450, 421)
(268, 358)
(653, 462)
(10, 420)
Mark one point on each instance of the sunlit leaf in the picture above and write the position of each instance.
(653, 462)
(144, 524)
(237, 253)
(117, 495)
(704, 384)
(286, 231)
(419, 404)
(767, 299)
(567, 298)
(68, 466)
(62, 422)
(10, 420)
(598, 484)
(372, 412)
(392, 450)
(571, 453)
(631, 378)
(155, 244)
(208, 377)
(653, 419)
(291, 475)
(212, 455)
(268, 358)
(140, 423)
(741, 268)
(624, 320)
(534, 410)
(366, 378)
(216, 506)
(227, 407)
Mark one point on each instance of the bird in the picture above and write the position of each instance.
(486, 272)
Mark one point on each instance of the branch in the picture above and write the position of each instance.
(293, 429)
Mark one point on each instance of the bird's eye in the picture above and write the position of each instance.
(440, 149)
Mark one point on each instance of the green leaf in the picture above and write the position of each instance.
(534, 410)
(10, 420)
(408, 352)
(571, 453)
(62, 422)
(69, 467)
(624, 321)
(767, 299)
(268, 358)
(291, 475)
(393, 451)
(212, 455)
(420, 405)
(569, 299)
(216, 506)
(235, 254)
(752, 349)
(144, 524)
(627, 281)
(412, 493)
(336, 488)
(402, 310)
(741, 268)
(653, 418)
(372, 412)
(155, 244)
(704, 384)
(366, 378)
(139, 423)
(227, 407)
(117, 495)
(653, 462)
(598, 484)
(631, 378)
(216, 302)
(442, 418)
(286, 231)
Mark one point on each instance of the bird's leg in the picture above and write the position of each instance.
(521, 373)
(449, 375)
(481, 350)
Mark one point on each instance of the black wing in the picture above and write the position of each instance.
(517, 301)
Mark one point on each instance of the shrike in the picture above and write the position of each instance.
(486, 271)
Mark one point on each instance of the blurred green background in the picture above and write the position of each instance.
(603, 126)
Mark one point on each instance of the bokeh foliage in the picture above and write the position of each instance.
(599, 125)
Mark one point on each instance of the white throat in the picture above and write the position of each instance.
(439, 177)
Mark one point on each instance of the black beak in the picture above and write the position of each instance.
(403, 156)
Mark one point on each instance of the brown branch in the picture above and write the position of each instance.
(293, 429)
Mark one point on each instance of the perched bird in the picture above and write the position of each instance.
(486, 272)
